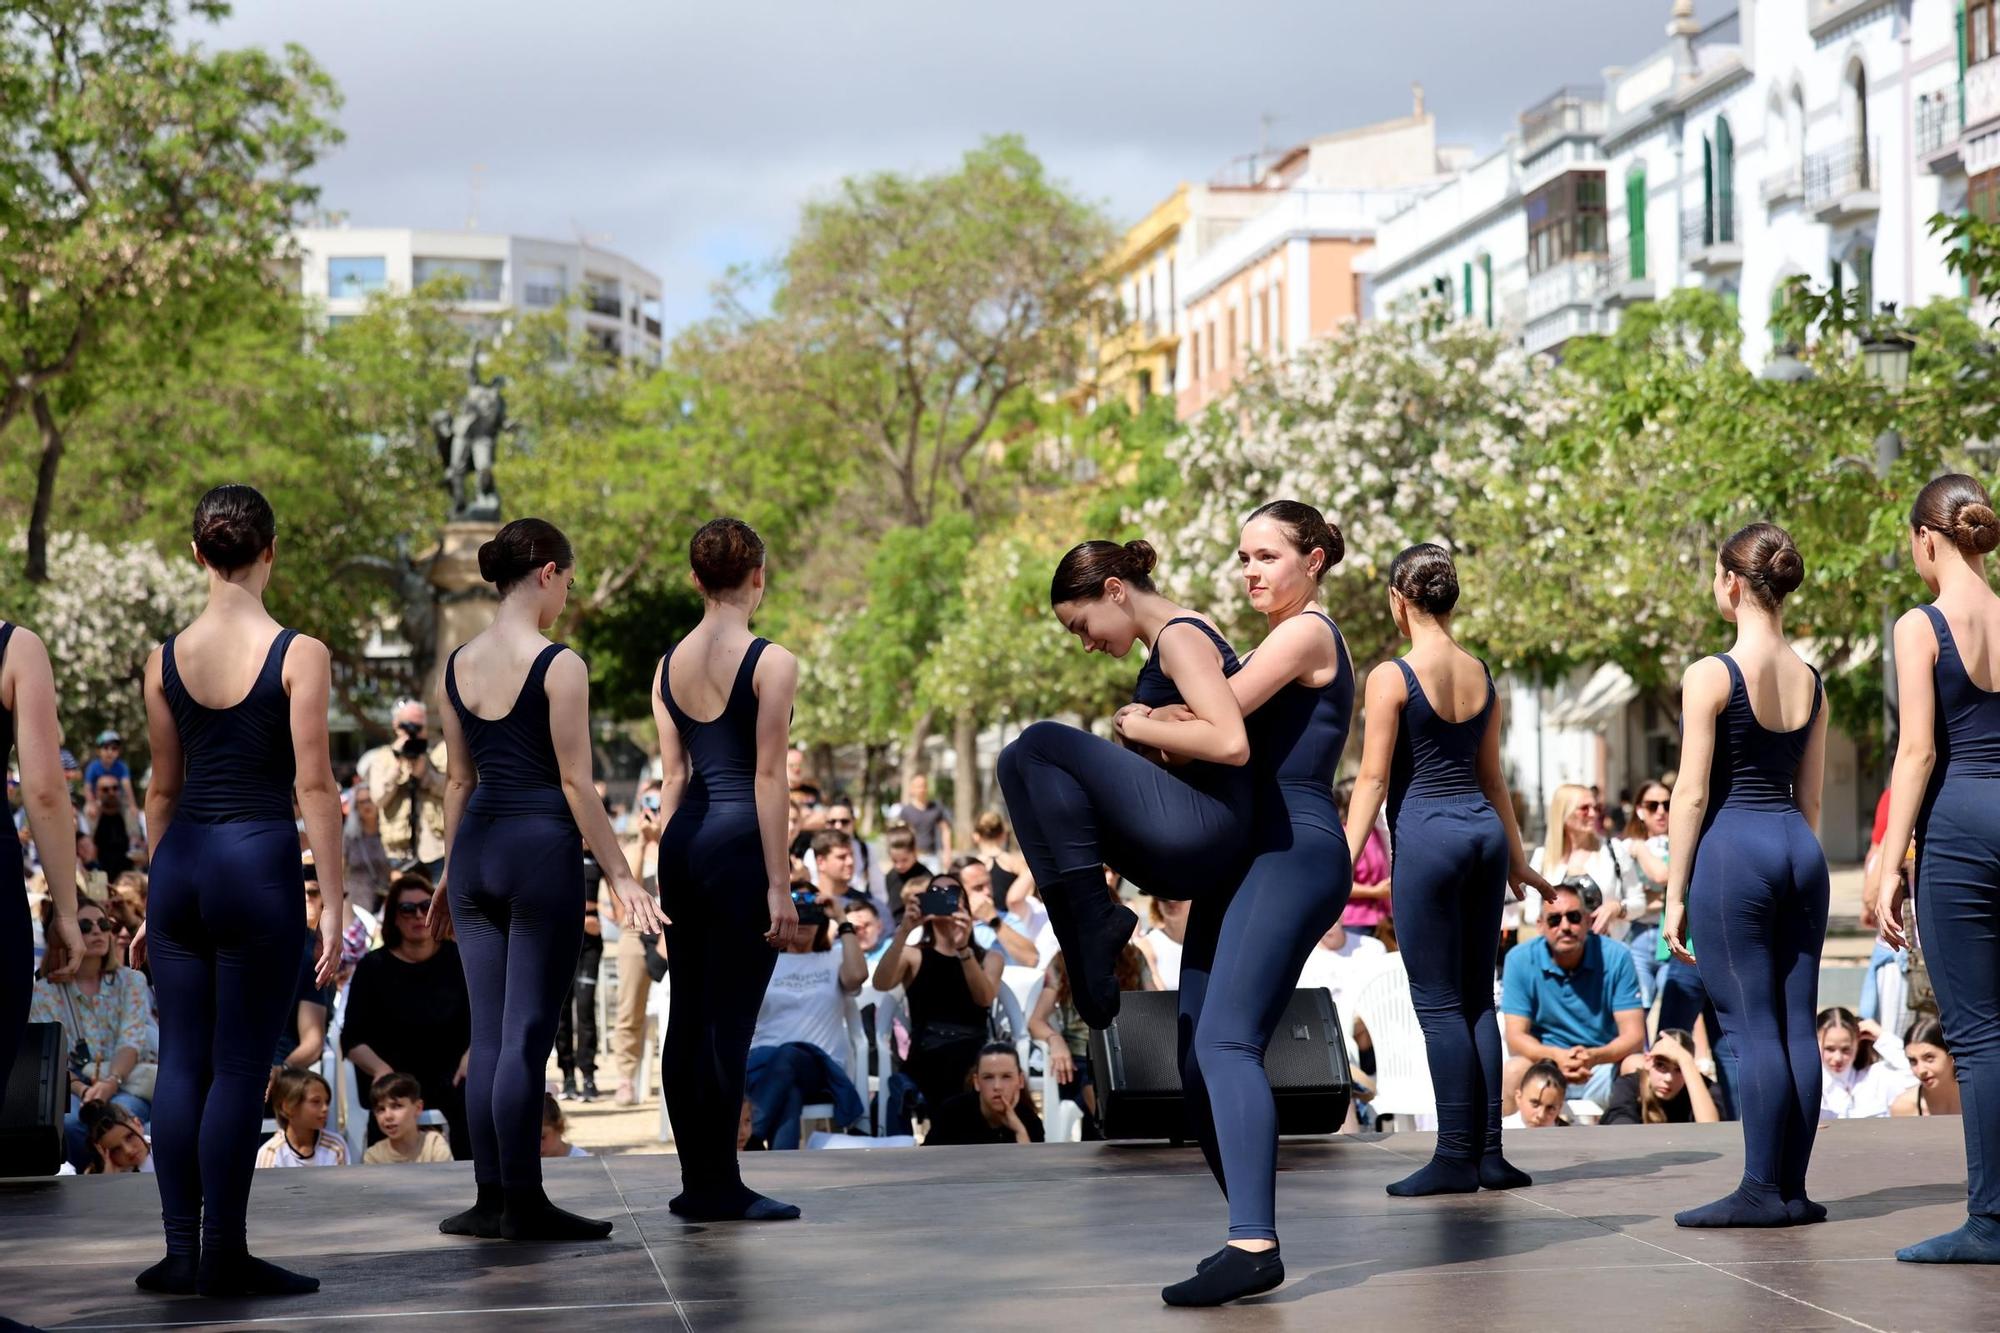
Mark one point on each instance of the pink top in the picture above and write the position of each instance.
(1371, 867)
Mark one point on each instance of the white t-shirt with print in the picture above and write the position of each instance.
(804, 1003)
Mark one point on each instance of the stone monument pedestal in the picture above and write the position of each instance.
(466, 603)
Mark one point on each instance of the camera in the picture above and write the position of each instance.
(412, 746)
(938, 902)
(812, 912)
(651, 800)
(79, 1059)
(1585, 888)
(411, 729)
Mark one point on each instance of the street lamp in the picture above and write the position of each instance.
(1885, 358)
(1885, 352)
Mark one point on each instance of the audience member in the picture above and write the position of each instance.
(1540, 1101)
(407, 1010)
(1056, 1021)
(106, 1013)
(398, 1103)
(301, 1099)
(1862, 1070)
(1600, 869)
(831, 864)
(554, 1127)
(901, 849)
(1368, 908)
(116, 1140)
(406, 780)
(799, 1051)
(868, 933)
(928, 822)
(998, 1108)
(642, 959)
(1930, 1059)
(949, 984)
(993, 926)
(576, 1022)
(1667, 1089)
(110, 763)
(803, 789)
(1645, 841)
(1571, 997)
(118, 829)
(303, 1040)
(1165, 938)
(366, 859)
(1340, 962)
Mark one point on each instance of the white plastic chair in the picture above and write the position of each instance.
(856, 1065)
(1007, 1013)
(886, 1063)
(1402, 1067)
(657, 1001)
(1062, 1121)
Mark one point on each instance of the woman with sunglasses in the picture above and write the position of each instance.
(1433, 753)
(722, 702)
(236, 711)
(1645, 841)
(1748, 873)
(28, 722)
(1943, 793)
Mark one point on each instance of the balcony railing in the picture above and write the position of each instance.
(1574, 282)
(603, 303)
(1982, 93)
(543, 293)
(1838, 174)
(1577, 109)
(1937, 120)
(1783, 185)
(1625, 274)
(1711, 233)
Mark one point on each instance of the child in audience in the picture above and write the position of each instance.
(553, 1129)
(398, 1103)
(117, 1140)
(301, 1099)
(1539, 1102)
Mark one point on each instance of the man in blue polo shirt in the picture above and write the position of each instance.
(1572, 998)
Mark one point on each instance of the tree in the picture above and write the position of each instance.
(140, 169)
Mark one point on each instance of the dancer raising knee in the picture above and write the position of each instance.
(518, 793)
(1079, 802)
(1753, 882)
(225, 913)
(1944, 791)
(722, 699)
(1433, 751)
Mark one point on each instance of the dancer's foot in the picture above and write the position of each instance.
(481, 1220)
(1104, 928)
(739, 1205)
(528, 1215)
(1231, 1274)
(1804, 1212)
(244, 1274)
(1497, 1173)
(1442, 1175)
(173, 1276)
(1749, 1206)
(1977, 1242)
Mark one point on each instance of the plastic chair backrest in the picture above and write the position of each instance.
(887, 1007)
(1402, 1066)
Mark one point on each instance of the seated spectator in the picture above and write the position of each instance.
(901, 848)
(998, 1109)
(949, 984)
(302, 1041)
(367, 861)
(553, 1129)
(126, 903)
(106, 1013)
(1056, 1021)
(118, 830)
(110, 762)
(868, 933)
(1930, 1060)
(398, 1103)
(1368, 908)
(1340, 961)
(1540, 1101)
(798, 1053)
(1573, 998)
(993, 925)
(301, 1099)
(407, 1010)
(1165, 938)
(1862, 1068)
(117, 1140)
(746, 1135)
(1668, 1089)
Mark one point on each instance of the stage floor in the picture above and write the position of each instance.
(1065, 1236)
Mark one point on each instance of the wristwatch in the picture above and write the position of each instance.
(844, 928)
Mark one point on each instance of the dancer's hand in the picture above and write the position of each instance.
(327, 965)
(1173, 713)
(1889, 908)
(1119, 718)
(1523, 876)
(1674, 927)
(439, 916)
(135, 955)
(784, 915)
(65, 949)
(464, 1063)
(638, 907)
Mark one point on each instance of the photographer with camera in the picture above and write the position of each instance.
(798, 1054)
(949, 983)
(405, 779)
(106, 1014)
(1572, 997)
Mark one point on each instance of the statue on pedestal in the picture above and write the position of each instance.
(467, 438)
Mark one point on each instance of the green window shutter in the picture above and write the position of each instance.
(1486, 268)
(1725, 181)
(1960, 22)
(1707, 190)
(1465, 282)
(1635, 222)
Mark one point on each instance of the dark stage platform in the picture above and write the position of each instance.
(1065, 1237)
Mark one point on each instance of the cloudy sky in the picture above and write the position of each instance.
(685, 135)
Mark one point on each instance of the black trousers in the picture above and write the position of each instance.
(576, 1025)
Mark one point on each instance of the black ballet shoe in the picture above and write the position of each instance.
(1104, 928)
(1212, 1260)
(740, 1205)
(244, 1274)
(1497, 1173)
(1977, 1242)
(527, 1214)
(1750, 1205)
(1804, 1212)
(481, 1220)
(1441, 1175)
(1233, 1274)
(173, 1276)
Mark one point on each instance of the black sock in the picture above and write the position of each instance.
(1803, 1211)
(528, 1215)
(1497, 1173)
(1442, 1175)
(172, 1276)
(1750, 1205)
(1977, 1242)
(741, 1204)
(482, 1219)
(1102, 928)
(243, 1274)
(1234, 1274)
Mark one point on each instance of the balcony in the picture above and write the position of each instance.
(1982, 94)
(1577, 281)
(1786, 185)
(1937, 129)
(1841, 182)
(599, 302)
(1573, 110)
(1711, 237)
(652, 326)
(1625, 280)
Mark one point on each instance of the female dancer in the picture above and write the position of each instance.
(1943, 791)
(519, 790)
(1297, 696)
(1748, 873)
(722, 699)
(1433, 751)
(28, 716)
(224, 913)
(1079, 802)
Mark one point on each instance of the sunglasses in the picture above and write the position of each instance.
(1588, 808)
(413, 909)
(1574, 918)
(1652, 806)
(91, 926)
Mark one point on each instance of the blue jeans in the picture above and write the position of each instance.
(1870, 999)
(1644, 942)
(76, 1143)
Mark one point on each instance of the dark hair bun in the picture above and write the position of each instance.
(1765, 558)
(1081, 574)
(1957, 508)
(521, 548)
(1785, 570)
(724, 553)
(1975, 527)
(233, 525)
(1142, 556)
(1425, 577)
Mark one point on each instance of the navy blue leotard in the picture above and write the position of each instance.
(225, 911)
(1757, 904)
(515, 883)
(1298, 881)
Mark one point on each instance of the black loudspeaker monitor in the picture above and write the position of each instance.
(32, 1105)
(1136, 1066)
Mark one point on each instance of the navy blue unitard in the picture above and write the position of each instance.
(1958, 905)
(515, 884)
(1757, 904)
(712, 888)
(1448, 885)
(1293, 892)
(224, 916)
(17, 934)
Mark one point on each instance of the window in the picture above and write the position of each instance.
(1235, 346)
(1213, 359)
(543, 284)
(1194, 353)
(1277, 320)
(357, 276)
(1566, 220)
(1982, 195)
(480, 277)
(1982, 41)
(1263, 334)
